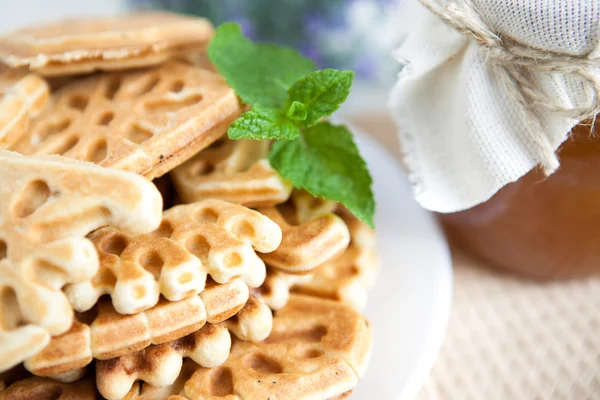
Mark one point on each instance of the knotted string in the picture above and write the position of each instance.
(516, 64)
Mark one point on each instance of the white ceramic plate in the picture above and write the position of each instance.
(410, 304)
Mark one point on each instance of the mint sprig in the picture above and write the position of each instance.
(259, 73)
(289, 102)
(321, 92)
(326, 162)
(263, 123)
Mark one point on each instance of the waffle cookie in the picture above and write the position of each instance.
(83, 45)
(46, 389)
(105, 334)
(346, 277)
(211, 237)
(146, 121)
(175, 329)
(275, 291)
(145, 255)
(350, 276)
(232, 170)
(22, 97)
(304, 246)
(312, 236)
(160, 365)
(318, 349)
(48, 204)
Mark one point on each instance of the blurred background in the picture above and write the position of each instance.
(345, 34)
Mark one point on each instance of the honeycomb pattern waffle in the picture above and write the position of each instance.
(305, 246)
(347, 277)
(146, 121)
(318, 349)
(46, 389)
(132, 265)
(22, 97)
(42, 248)
(145, 391)
(211, 237)
(253, 322)
(160, 365)
(232, 170)
(350, 276)
(83, 45)
(142, 391)
(109, 335)
(275, 291)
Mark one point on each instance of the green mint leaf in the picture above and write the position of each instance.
(321, 92)
(325, 161)
(260, 74)
(263, 123)
(297, 111)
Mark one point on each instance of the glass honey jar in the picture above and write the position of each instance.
(542, 227)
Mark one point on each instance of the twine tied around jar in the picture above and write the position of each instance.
(515, 63)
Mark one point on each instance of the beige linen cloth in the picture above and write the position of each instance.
(510, 338)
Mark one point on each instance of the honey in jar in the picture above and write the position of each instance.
(543, 227)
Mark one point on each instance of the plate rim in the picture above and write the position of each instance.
(441, 312)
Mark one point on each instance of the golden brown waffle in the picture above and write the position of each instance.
(145, 391)
(211, 237)
(160, 365)
(232, 170)
(83, 45)
(110, 334)
(349, 277)
(307, 245)
(253, 322)
(47, 205)
(46, 389)
(209, 347)
(198, 58)
(318, 349)
(71, 348)
(146, 121)
(315, 226)
(22, 97)
(275, 291)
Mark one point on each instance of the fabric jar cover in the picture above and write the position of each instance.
(464, 132)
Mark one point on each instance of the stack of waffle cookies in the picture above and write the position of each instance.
(143, 254)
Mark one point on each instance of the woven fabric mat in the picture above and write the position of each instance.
(511, 338)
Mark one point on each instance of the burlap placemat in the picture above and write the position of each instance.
(511, 338)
